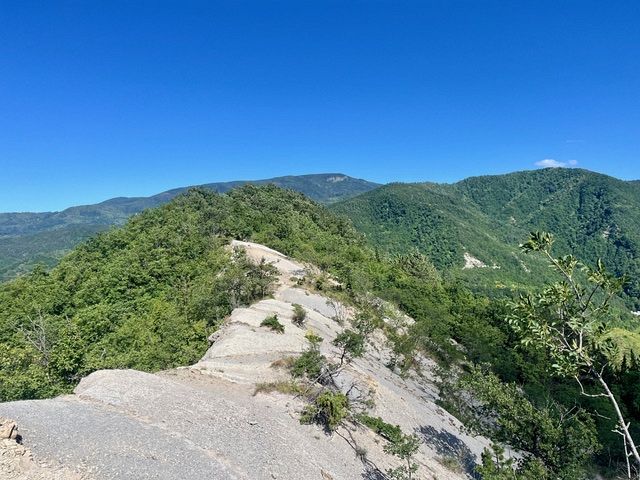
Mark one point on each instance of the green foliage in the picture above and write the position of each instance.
(568, 319)
(398, 444)
(28, 239)
(273, 323)
(391, 433)
(313, 339)
(404, 448)
(299, 315)
(562, 440)
(495, 466)
(329, 409)
(595, 216)
(351, 345)
(146, 296)
(440, 224)
(309, 364)
(624, 350)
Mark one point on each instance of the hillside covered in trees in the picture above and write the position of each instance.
(147, 295)
(27, 239)
(592, 215)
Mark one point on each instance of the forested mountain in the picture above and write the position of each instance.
(591, 215)
(147, 295)
(30, 238)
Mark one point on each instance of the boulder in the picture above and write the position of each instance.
(8, 429)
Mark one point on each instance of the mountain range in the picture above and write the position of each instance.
(470, 229)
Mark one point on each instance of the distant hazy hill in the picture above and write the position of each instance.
(30, 238)
(592, 215)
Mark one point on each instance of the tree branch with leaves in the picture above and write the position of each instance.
(571, 320)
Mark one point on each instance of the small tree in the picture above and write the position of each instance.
(351, 345)
(273, 323)
(561, 440)
(340, 313)
(299, 315)
(404, 448)
(495, 465)
(568, 320)
(329, 409)
(311, 363)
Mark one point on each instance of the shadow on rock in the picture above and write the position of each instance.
(448, 445)
(371, 472)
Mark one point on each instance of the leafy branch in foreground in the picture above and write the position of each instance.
(568, 320)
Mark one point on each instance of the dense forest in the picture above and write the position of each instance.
(592, 215)
(148, 294)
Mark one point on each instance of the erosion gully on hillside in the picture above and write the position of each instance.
(204, 421)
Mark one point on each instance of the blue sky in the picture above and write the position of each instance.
(102, 99)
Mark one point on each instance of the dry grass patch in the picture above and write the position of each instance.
(285, 387)
(283, 363)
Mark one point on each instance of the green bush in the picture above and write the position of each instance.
(313, 339)
(329, 410)
(351, 344)
(273, 323)
(405, 449)
(392, 433)
(299, 315)
(310, 364)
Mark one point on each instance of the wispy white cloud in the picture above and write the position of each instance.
(551, 163)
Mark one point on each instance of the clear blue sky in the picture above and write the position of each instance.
(106, 98)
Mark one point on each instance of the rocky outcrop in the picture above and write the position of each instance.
(8, 430)
(205, 421)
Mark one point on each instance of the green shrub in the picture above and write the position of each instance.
(351, 344)
(273, 323)
(392, 433)
(309, 364)
(313, 339)
(299, 315)
(405, 449)
(329, 409)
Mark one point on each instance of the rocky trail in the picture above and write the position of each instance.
(205, 422)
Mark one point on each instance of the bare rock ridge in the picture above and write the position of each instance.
(204, 421)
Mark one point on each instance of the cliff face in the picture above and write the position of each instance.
(205, 421)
